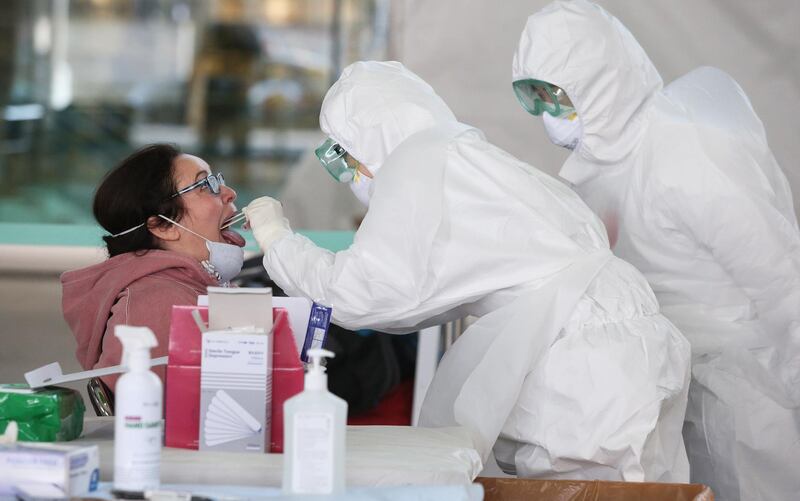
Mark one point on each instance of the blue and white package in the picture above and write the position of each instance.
(317, 331)
(46, 470)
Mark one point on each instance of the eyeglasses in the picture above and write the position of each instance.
(538, 97)
(214, 183)
(335, 160)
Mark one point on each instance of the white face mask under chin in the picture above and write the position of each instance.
(226, 259)
(361, 186)
(563, 131)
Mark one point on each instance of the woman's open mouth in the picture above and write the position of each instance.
(231, 237)
(227, 234)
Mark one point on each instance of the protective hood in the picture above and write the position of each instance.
(581, 48)
(88, 294)
(375, 106)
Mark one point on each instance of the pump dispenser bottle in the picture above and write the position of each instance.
(314, 433)
(137, 415)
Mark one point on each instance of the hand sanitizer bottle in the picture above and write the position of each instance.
(137, 415)
(314, 429)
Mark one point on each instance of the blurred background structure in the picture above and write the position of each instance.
(238, 82)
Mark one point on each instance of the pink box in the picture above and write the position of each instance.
(182, 426)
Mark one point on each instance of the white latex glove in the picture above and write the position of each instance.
(265, 218)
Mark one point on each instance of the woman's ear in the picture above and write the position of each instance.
(168, 231)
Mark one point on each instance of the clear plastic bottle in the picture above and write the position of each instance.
(314, 435)
(137, 415)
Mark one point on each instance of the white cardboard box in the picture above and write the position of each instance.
(236, 390)
(239, 307)
(74, 470)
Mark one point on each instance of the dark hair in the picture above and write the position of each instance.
(139, 187)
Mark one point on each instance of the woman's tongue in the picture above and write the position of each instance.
(232, 237)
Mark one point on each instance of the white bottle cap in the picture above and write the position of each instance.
(136, 344)
(316, 379)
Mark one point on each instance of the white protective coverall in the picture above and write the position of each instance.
(571, 368)
(691, 195)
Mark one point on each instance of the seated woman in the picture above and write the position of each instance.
(163, 210)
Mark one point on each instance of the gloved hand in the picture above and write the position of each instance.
(265, 217)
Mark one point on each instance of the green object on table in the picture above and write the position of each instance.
(51, 414)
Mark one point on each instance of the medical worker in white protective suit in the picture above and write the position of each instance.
(691, 195)
(571, 369)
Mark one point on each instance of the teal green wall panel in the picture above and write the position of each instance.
(91, 236)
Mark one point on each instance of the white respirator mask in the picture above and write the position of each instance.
(563, 131)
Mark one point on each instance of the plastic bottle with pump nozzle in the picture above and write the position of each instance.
(137, 416)
(314, 435)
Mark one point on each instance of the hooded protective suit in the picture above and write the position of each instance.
(570, 370)
(691, 195)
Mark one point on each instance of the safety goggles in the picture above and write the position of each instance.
(538, 97)
(335, 160)
(214, 183)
